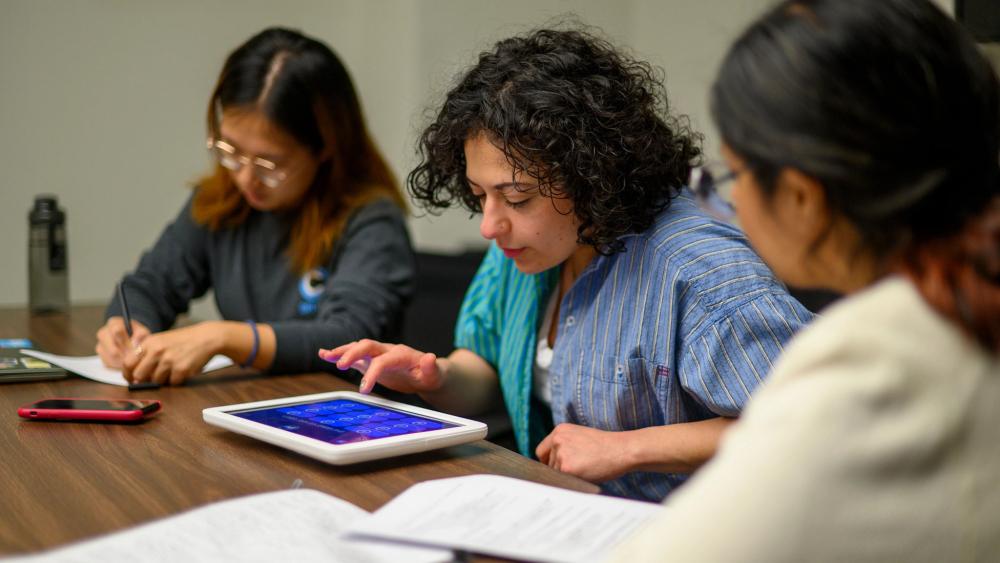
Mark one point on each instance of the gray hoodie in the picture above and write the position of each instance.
(360, 292)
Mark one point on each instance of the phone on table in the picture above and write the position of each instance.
(114, 410)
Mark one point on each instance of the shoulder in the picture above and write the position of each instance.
(187, 210)
(684, 222)
(185, 225)
(375, 211)
(881, 363)
(887, 327)
(708, 264)
(376, 238)
(690, 247)
(376, 226)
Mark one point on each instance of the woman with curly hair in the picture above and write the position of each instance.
(622, 327)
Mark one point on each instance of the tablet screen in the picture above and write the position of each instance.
(342, 421)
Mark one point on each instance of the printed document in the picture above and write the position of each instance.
(507, 517)
(91, 367)
(292, 525)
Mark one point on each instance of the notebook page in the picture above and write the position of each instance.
(91, 367)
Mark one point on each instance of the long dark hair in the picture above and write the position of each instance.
(892, 108)
(301, 86)
(588, 122)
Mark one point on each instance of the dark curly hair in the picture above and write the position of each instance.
(587, 122)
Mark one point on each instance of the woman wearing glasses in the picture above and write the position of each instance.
(299, 230)
(864, 137)
(622, 326)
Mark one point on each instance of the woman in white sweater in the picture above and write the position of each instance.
(862, 140)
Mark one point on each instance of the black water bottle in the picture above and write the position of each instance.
(48, 268)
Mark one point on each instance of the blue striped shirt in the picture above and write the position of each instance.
(680, 327)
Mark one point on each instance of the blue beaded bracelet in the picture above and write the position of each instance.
(256, 345)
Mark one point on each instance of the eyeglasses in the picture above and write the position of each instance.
(708, 183)
(231, 159)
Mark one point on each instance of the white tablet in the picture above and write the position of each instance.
(345, 427)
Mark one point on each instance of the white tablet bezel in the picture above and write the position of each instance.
(341, 454)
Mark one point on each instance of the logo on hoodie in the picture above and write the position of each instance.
(310, 289)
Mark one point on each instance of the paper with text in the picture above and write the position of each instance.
(293, 525)
(507, 517)
(91, 367)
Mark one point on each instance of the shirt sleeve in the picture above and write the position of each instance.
(727, 357)
(478, 328)
(372, 277)
(171, 274)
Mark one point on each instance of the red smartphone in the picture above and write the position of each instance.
(115, 410)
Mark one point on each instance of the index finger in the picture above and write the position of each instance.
(345, 356)
(393, 359)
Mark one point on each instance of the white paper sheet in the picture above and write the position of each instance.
(298, 525)
(91, 367)
(507, 517)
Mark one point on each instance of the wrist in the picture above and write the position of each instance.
(215, 335)
(229, 338)
(443, 367)
(633, 455)
(237, 340)
(254, 345)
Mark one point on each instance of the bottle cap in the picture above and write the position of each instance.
(46, 209)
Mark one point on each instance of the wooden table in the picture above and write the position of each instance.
(65, 481)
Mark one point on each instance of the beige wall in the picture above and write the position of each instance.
(102, 101)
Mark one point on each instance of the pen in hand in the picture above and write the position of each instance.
(125, 314)
(127, 318)
(133, 386)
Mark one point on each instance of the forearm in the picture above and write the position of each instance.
(469, 385)
(297, 340)
(236, 341)
(674, 448)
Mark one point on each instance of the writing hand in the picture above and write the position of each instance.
(396, 366)
(113, 342)
(172, 356)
